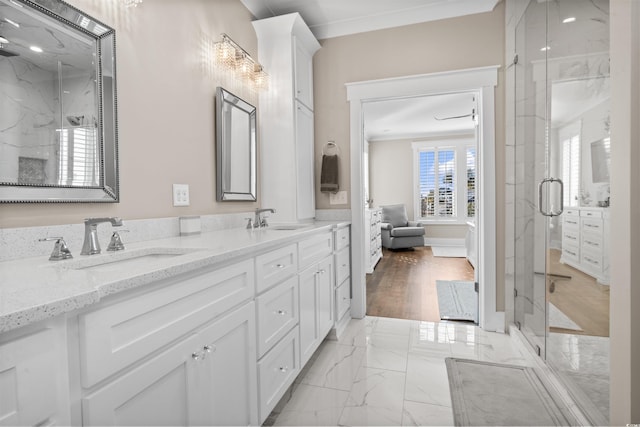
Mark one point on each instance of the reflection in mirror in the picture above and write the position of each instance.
(600, 160)
(58, 140)
(235, 148)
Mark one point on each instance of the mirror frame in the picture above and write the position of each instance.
(223, 139)
(108, 190)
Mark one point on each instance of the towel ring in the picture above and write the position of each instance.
(331, 145)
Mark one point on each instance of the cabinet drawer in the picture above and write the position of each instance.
(277, 370)
(343, 299)
(571, 222)
(571, 212)
(592, 242)
(276, 266)
(592, 260)
(590, 214)
(343, 266)
(117, 335)
(314, 249)
(571, 254)
(591, 225)
(277, 313)
(571, 236)
(342, 238)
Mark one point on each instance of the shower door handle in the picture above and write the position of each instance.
(542, 184)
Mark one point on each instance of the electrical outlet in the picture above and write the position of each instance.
(340, 198)
(180, 194)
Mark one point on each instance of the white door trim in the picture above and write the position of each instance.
(482, 80)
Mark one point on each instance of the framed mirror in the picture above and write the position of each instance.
(58, 121)
(235, 148)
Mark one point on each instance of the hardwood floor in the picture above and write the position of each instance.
(581, 298)
(403, 285)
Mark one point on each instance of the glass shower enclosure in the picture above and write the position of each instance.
(562, 192)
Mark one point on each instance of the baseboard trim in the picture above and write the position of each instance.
(444, 241)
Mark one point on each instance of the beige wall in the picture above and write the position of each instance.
(166, 88)
(451, 44)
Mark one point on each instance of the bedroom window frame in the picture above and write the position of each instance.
(460, 148)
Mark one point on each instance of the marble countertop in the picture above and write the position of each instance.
(34, 289)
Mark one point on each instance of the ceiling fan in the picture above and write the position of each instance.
(473, 116)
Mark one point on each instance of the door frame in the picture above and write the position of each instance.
(482, 80)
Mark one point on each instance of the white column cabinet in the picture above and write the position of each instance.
(285, 48)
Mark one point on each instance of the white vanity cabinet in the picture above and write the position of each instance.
(584, 241)
(34, 380)
(285, 48)
(208, 378)
(167, 356)
(373, 235)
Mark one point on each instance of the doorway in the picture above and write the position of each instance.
(420, 158)
(482, 80)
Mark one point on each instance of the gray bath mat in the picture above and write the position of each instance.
(457, 300)
(493, 394)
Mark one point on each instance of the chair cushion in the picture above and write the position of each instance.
(396, 215)
(407, 231)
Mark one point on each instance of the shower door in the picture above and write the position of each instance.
(562, 92)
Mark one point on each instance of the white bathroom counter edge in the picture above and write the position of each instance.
(36, 289)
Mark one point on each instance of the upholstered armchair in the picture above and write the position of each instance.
(397, 231)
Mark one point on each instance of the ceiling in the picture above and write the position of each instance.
(390, 119)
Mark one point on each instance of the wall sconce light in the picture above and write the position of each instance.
(230, 55)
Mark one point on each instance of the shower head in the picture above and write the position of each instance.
(75, 120)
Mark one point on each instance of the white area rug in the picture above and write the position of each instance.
(518, 397)
(558, 319)
(457, 300)
(449, 251)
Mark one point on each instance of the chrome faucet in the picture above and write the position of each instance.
(261, 221)
(91, 246)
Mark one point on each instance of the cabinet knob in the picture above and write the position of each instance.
(283, 368)
(322, 271)
(281, 312)
(197, 355)
(209, 348)
(281, 266)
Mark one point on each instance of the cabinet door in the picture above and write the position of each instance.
(305, 200)
(163, 390)
(231, 372)
(325, 297)
(308, 319)
(303, 75)
(34, 387)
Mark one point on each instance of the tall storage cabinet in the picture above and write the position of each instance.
(285, 48)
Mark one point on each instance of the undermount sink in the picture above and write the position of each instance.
(288, 226)
(111, 261)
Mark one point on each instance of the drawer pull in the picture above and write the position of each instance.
(280, 266)
(283, 368)
(589, 242)
(281, 312)
(209, 349)
(322, 271)
(571, 237)
(344, 265)
(570, 253)
(197, 355)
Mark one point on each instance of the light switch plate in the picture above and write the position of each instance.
(339, 198)
(180, 194)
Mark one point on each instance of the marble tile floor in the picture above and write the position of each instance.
(386, 371)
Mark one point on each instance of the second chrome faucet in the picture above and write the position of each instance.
(91, 245)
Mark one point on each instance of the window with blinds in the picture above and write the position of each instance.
(471, 182)
(437, 183)
(79, 161)
(571, 170)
